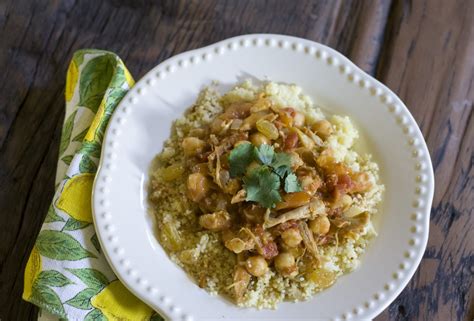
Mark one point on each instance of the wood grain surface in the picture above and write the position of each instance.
(422, 49)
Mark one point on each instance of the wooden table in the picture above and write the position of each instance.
(422, 49)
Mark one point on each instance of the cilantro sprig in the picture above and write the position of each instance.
(262, 184)
(240, 158)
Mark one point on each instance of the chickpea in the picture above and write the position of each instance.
(198, 186)
(258, 139)
(298, 119)
(296, 251)
(322, 128)
(286, 265)
(192, 146)
(320, 225)
(291, 237)
(256, 265)
(217, 221)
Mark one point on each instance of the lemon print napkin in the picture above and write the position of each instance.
(67, 275)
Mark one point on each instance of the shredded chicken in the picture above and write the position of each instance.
(308, 239)
(316, 139)
(308, 211)
(239, 197)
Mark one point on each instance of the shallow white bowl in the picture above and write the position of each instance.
(143, 119)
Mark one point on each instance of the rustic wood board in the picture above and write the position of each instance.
(422, 49)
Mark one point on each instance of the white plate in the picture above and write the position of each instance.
(142, 122)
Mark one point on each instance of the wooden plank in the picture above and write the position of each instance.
(428, 59)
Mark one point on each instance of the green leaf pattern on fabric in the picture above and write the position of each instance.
(66, 133)
(53, 278)
(95, 315)
(80, 137)
(66, 277)
(87, 165)
(95, 79)
(44, 294)
(91, 149)
(91, 277)
(67, 159)
(82, 300)
(59, 245)
(114, 98)
(118, 79)
(73, 224)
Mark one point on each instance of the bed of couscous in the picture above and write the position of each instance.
(260, 196)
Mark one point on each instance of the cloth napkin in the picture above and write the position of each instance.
(67, 274)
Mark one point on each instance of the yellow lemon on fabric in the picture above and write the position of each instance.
(95, 122)
(117, 303)
(33, 268)
(128, 77)
(71, 80)
(75, 198)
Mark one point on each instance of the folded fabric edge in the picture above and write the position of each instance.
(37, 293)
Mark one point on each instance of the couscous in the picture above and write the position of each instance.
(261, 197)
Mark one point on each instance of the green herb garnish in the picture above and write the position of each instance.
(262, 184)
(265, 154)
(291, 183)
(282, 164)
(241, 157)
